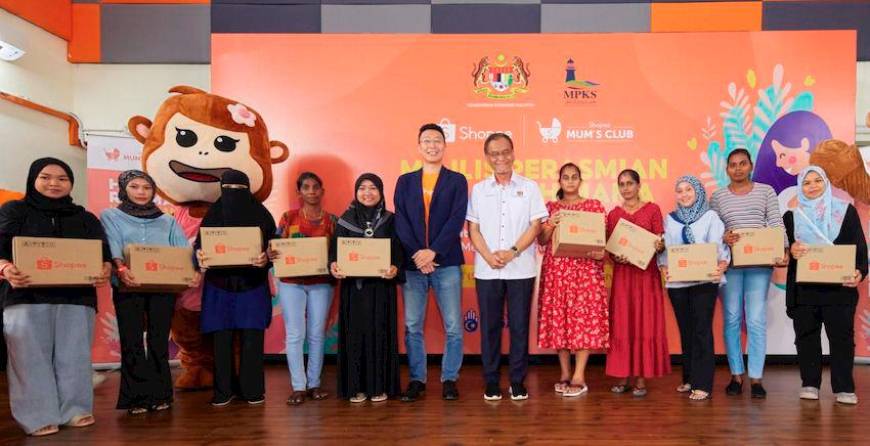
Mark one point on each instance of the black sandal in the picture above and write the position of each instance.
(296, 398)
(316, 394)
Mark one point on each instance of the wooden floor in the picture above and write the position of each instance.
(664, 417)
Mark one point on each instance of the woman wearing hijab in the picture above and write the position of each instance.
(694, 222)
(146, 383)
(48, 330)
(368, 351)
(821, 219)
(237, 300)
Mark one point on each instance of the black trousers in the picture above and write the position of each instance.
(491, 295)
(250, 383)
(693, 308)
(145, 377)
(839, 323)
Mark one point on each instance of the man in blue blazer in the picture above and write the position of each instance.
(430, 208)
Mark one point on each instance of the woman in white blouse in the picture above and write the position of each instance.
(694, 222)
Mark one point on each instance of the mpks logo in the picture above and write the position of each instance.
(578, 91)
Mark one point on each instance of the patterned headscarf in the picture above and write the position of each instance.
(818, 220)
(688, 215)
(127, 206)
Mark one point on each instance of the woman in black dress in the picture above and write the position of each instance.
(368, 349)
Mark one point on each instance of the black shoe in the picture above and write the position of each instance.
(734, 388)
(223, 402)
(492, 393)
(449, 391)
(757, 391)
(415, 389)
(519, 392)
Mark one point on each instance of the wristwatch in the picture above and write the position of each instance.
(515, 250)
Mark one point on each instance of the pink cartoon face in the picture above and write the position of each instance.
(792, 159)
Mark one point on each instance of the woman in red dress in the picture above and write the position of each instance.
(638, 340)
(572, 310)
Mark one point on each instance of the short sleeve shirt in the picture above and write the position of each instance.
(504, 213)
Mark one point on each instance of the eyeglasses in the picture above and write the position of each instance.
(503, 154)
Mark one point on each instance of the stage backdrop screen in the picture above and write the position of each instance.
(663, 104)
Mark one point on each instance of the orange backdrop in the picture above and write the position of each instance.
(664, 104)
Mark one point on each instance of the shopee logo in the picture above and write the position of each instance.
(573, 229)
(683, 263)
(353, 256)
(220, 248)
(44, 263)
(747, 249)
(289, 260)
(623, 241)
(815, 265)
(151, 265)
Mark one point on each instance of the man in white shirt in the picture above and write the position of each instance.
(504, 214)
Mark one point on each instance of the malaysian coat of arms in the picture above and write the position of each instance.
(501, 79)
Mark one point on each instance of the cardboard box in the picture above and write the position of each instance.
(231, 246)
(826, 264)
(758, 247)
(632, 242)
(692, 263)
(363, 257)
(58, 261)
(299, 257)
(578, 233)
(159, 268)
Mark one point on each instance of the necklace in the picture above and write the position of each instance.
(307, 217)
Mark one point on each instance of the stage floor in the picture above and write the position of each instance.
(664, 417)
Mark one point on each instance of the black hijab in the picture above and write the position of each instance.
(127, 206)
(238, 207)
(61, 206)
(365, 219)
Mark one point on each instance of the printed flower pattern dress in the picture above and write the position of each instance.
(572, 306)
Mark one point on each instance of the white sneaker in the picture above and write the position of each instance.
(847, 398)
(809, 393)
(358, 398)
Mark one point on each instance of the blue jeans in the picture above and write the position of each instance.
(447, 283)
(296, 301)
(746, 290)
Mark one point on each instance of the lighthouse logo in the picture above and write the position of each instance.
(578, 91)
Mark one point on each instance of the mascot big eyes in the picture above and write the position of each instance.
(195, 137)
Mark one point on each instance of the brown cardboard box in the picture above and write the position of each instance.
(231, 246)
(159, 268)
(632, 242)
(758, 247)
(826, 264)
(692, 263)
(299, 257)
(58, 261)
(578, 233)
(363, 257)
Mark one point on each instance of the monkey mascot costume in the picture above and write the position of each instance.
(194, 138)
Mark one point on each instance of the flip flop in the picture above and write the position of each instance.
(45, 430)
(81, 421)
(561, 386)
(316, 394)
(620, 388)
